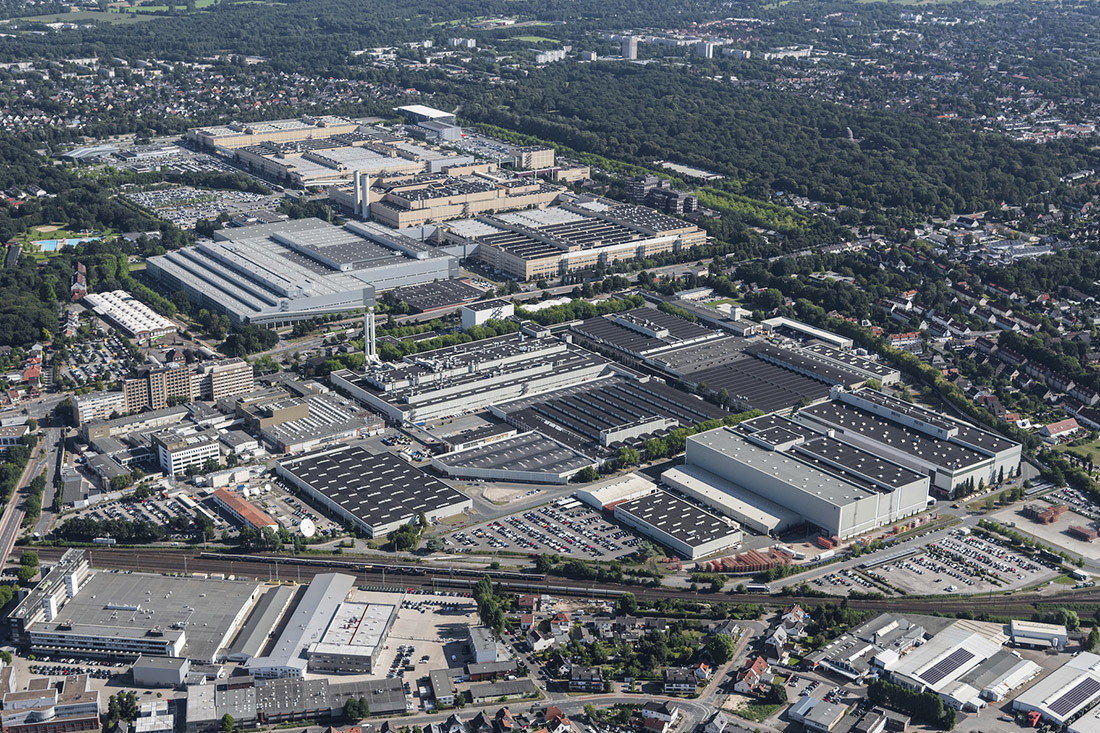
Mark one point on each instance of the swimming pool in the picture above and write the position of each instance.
(52, 245)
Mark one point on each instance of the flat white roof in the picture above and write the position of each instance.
(738, 502)
(429, 112)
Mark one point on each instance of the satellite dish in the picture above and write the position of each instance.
(267, 487)
(307, 528)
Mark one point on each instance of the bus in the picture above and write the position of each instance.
(757, 588)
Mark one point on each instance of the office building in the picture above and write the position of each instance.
(483, 645)
(154, 387)
(476, 314)
(177, 451)
(277, 274)
(98, 406)
(62, 707)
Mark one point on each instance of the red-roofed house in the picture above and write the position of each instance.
(752, 678)
(1060, 430)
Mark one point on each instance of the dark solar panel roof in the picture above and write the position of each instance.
(1081, 692)
(760, 384)
(377, 489)
(946, 666)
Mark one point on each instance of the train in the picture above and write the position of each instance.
(363, 567)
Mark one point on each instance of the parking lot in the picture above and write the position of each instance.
(104, 359)
(962, 563)
(166, 512)
(1057, 534)
(290, 511)
(565, 527)
(184, 205)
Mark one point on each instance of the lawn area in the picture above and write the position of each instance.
(1091, 448)
(724, 301)
(149, 8)
(536, 39)
(757, 712)
(108, 16)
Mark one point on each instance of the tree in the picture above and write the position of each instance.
(586, 475)
(628, 456)
(776, 694)
(1093, 639)
(721, 648)
(25, 574)
(29, 558)
(627, 604)
(434, 543)
(590, 712)
(228, 723)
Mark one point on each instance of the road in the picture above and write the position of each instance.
(12, 519)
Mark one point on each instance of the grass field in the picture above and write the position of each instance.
(757, 711)
(149, 8)
(1091, 448)
(86, 15)
(536, 39)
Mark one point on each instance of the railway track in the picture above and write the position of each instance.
(285, 568)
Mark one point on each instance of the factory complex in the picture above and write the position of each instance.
(582, 232)
(276, 274)
(965, 663)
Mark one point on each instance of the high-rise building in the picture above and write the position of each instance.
(153, 388)
(705, 50)
(630, 47)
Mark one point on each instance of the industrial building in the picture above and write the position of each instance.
(240, 134)
(77, 612)
(296, 424)
(273, 701)
(135, 319)
(483, 645)
(608, 412)
(477, 314)
(950, 452)
(684, 528)
(806, 332)
(354, 639)
(276, 274)
(325, 161)
(1034, 634)
(582, 233)
(469, 377)
(243, 512)
(1059, 696)
(755, 384)
(640, 335)
(525, 457)
(378, 493)
(150, 671)
(306, 626)
(401, 201)
(771, 474)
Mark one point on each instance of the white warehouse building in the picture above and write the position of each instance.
(771, 474)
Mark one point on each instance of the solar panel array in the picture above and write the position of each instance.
(946, 666)
(1081, 692)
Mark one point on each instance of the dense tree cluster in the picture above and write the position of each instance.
(926, 707)
(85, 529)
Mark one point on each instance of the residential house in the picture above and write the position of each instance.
(586, 679)
(752, 679)
(526, 621)
(561, 623)
(679, 680)
(659, 717)
(702, 671)
(778, 645)
(718, 724)
(538, 641)
(1060, 430)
